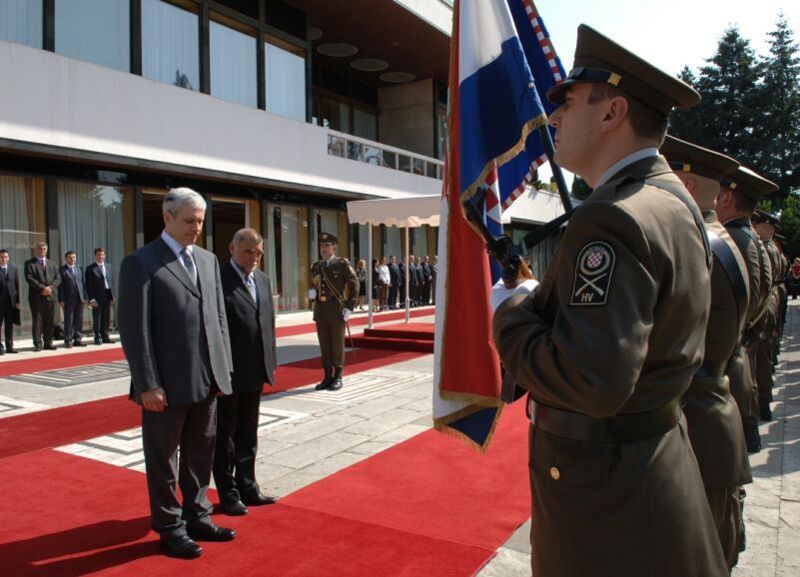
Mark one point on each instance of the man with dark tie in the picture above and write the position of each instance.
(72, 299)
(98, 291)
(251, 325)
(9, 300)
(43, 280)
(174, 333)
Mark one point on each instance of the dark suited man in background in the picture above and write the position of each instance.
(9, 299)
(43, 280)
(427, 279)
(251, 325)
(175, 336)
(394, 276)
(72, 299)
(98, 290)
(401, 281)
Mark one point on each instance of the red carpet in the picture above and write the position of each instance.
(66, 516)
(400, 337)
(64, 425)
(435, 485)
(94, 357)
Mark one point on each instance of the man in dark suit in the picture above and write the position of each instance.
(401, 280)
(9, 300)
(43, 280)
(427, 279)
(98, 290)
(174, 334)
(251, 325)
(394, 276)
(72, 299)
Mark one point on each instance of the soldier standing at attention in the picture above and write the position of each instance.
(334, 292)
(715, 427)
(736, 202)
(764, 224)
(609, 341)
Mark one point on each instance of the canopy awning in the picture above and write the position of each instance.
(411, 212)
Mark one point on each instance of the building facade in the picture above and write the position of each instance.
(277, 111)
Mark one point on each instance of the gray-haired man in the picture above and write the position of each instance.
(174, 333)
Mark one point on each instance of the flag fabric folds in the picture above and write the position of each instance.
(495, 113)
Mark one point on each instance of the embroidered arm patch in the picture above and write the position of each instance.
(593, 272)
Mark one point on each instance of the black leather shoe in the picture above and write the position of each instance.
(68, 345)
(98, 342)
(326, 382)
(210, 532)
(2, 352)
(335, 385)
(258, 498)
(79, 344)
(109, 341)
(182, 547)
(37, 348)
(50, 347)
(752, 437)
(234, 508)
(11, 350)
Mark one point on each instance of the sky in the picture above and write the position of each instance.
(669, 34)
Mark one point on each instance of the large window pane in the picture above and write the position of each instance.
(21, 22)
(233, 65)
(95, 30)
(286, 82)
(287, 256)
(365, 124)
(21, 226)
(170, 44)
(92, 216)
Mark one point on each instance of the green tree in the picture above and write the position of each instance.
(726, 117)
(779, 111)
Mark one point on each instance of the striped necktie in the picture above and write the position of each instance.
(189, 264)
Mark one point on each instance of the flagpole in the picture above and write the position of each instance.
(558, 175)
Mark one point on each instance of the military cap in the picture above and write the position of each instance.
(763, 216)
(599, 59)
(684, 156)
(327, 237)
(747, 183)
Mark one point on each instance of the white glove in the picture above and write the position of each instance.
(500, 292)
(312, 294)
(346, 314)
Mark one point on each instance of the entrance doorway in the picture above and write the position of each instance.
(229, 216)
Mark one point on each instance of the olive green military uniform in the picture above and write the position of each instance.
(769, 324)
(712, 416)
(336, 284)
(617, 328)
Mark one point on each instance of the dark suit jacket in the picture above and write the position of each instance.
(394, 274)
(38, 278)
(252, 330)
(174, 334)
(9, 289)
(95, 286)
(71, 289)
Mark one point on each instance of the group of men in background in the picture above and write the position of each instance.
(48, 284)
(421, 281)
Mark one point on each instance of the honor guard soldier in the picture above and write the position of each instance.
(739, 194)
(783, 290)
(715, 427)
(609, 341)
(334, 292)
(764, 224)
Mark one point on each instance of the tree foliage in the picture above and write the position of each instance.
(751, 111)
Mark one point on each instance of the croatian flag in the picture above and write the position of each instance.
(495, 113)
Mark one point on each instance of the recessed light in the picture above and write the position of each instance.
(397, 77)
(316, 33)
(369, 64)
(337, 49)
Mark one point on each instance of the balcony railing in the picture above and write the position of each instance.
(369, 152)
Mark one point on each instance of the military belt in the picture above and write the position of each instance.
(619, 429)
(712, 369)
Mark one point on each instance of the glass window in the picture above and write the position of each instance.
(21, 21)
(365, 124)
(287, 258)
(170, 44)
(336, 145)
(286, 82)
(22, 225)
(94, 215)
(354, 150)
(97, 31)
(233, 65)
(405, 163)
(430, 170)
(390, 159)
(372, 155)
(419, 166)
